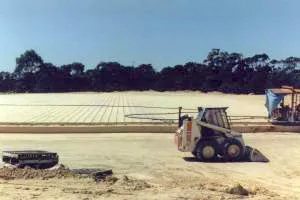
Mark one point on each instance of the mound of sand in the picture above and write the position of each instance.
(132, 184)
(9, 173)
(60, 171)
(238, 189)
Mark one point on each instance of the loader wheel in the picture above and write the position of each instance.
(233, 150)
(206, 150)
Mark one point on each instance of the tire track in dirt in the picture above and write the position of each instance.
(132, 109)
(118, 110)
(93, 112)
(102, 119)
(65, 113)
(89, 112)
(44, 116)
(124, 109)
(111, 109)
(35, 113)
(76, 112)
(85, 114)
(80, 111)
(99, 109)
(141, 110)
(60, 115)
(128, 109)
(48, 116)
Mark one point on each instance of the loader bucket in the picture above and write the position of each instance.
(254, 155)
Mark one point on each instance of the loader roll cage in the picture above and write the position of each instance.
(213, 119)
(215, 116)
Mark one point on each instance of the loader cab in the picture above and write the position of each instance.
(216, 116)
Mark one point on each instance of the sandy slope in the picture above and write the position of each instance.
(154, 160)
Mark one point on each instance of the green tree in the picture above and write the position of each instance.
(28, 62)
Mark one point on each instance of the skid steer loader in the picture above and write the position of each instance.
(209, 137)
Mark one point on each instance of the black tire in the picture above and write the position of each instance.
(233, 150)
(206, 150)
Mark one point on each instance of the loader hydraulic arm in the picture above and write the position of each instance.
(225, 131)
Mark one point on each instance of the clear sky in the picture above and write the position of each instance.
(161, 32)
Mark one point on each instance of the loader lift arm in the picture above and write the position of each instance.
(227, 132)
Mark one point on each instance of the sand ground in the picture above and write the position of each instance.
(153, 159)
(61, 110)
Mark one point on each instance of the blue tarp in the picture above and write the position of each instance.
(272, 100)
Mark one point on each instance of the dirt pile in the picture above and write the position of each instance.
(96, 174)
(132, 184)
(9, 173)
(238, 189)
(60, 171)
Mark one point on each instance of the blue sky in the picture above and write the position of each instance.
(161, 32)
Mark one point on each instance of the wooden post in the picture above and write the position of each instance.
(179, 117)
(293, 104)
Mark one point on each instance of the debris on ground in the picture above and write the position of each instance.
(58, 171)
(132, 184)
(238, 189)
(111, 180)
(9, 173)
(96, 174)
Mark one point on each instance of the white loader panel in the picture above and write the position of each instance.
(188, 135)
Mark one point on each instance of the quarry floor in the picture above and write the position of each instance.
(154, 159)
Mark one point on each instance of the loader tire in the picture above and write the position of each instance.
(206, 151)
(233, 150)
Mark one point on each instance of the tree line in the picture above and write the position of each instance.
(220, 71)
